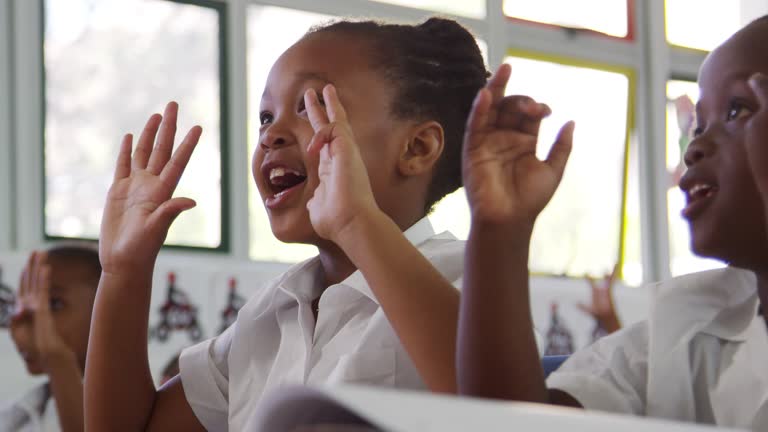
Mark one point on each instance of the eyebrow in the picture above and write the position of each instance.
(301, 76)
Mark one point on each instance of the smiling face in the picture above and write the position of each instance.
(724, 209)
(73, 287)
(285, 175)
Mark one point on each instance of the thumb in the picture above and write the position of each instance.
(587, 309)
(163, 216)
(561, 149)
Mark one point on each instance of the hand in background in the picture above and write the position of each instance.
(602, 308)
(139, 208)
(504, 180)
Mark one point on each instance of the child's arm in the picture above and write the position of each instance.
(119, 392)
(507, 187)
(59, 361)
(419, 302)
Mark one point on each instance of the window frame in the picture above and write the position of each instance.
(221, 10)
(648, 54)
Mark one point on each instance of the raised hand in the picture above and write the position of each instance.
(504, 180)
(602, 308)
(757, 136)
(34, 298)
(344, 192)
(139, 209)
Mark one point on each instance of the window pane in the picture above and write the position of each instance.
(579, 232)
(271, 30)
(611, 20)
(705, 24)
(109, 65)
(681, 99)
(468, 8)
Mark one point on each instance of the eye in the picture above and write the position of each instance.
(266, 117)
(737, 110)
(698, 130)
(56, 304)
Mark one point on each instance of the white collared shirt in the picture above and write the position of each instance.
(24, 415)
(275, 340)
(702, 356)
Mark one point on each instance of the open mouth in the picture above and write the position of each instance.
(282, 179)
(697, 197)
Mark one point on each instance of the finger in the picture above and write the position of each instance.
(479, 114)
(592, 283)
(43, 289)
(561, 149)
(123, 165)
(146, 141)
(759, 84)
(322, 136)
(24, 282)
(175, 167)
(497, 85)
(164, 146)
(162, 218)
(522, 114)
(318, 117)
(336, 111)
(612, 277)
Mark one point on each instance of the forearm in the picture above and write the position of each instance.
(419, 302)
(66, 383)
(119, 392)
(498, 356)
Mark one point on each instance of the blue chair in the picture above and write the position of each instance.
(551, 363)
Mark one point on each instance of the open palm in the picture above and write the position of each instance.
(140, 208)
(504, 180)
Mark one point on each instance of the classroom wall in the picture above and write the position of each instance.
(205, 280)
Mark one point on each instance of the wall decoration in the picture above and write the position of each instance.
(559, 337)
(234, 302)
(176, 314)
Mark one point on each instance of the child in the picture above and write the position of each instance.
(50, 330)
(354, 173)
(701, 355)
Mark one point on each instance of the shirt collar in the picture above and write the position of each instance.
(737, 312)
(301, 280)
(417, 234)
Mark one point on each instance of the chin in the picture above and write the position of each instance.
(299, 232)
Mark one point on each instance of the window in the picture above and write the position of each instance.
(271, 30)
(468, 8)
(611, 20)
(705, 24)
(108, 66)
(581, 230)
(681, 100)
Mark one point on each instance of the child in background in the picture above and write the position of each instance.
(354, 172)
(50, 330)
(701, 355)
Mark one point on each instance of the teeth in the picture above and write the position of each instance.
(281, 171)
(698, 188)
(279, 194)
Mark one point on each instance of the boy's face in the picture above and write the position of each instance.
(285, 130)
(724, 208)
(73, 287)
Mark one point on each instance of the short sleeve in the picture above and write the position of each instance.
(204, 370)
(610, 375)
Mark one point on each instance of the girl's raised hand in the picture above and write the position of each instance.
(344, 192)
(139, 208)
(504, 180)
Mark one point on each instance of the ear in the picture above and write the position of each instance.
(421, 152)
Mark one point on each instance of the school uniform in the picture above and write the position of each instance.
(33, 412)
(275, 340)
(702, 356)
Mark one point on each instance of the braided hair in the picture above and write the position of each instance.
(437, 69)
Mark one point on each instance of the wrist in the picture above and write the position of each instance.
(359, 227)
(60, 359)
(511, 232)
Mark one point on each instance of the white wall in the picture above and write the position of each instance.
(205, 280)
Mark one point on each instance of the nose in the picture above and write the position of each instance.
(275, 136)
(701, 147)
